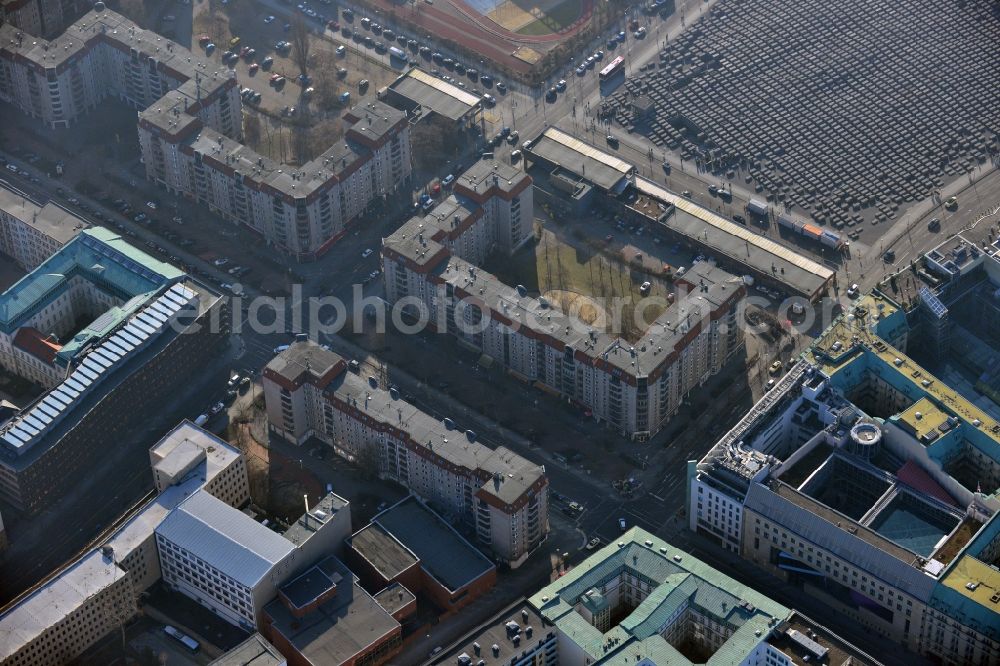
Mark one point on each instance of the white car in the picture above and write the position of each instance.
(280, 348)
(853, 291)
(621, 524)
(151, 205)
(268, 19)
(220, 262)
(367, 253)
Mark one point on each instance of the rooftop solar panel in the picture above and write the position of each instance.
(60, 396)
(73, 383)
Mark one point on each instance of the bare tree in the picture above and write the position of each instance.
(367, 461)
(325, 81)
(252, 129)
(300, 43)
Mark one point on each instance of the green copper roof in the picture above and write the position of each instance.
(97, 255)
(678, 581)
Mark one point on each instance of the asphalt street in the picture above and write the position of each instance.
(657, 507)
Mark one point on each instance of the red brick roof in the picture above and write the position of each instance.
(33, 341)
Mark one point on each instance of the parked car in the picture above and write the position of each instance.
(367, 253)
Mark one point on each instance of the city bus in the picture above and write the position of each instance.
(182, 638)
(613, 69)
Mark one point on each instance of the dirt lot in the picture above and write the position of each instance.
(271, 127)
(584, 279)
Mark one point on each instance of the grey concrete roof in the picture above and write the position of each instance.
(53, 602)
(341, 628)
(225, 538)
(303, 358)
(319, 514)
(494, 632)
(107, 25)
(455, 446)
(443, 553)
(373, 118)
(254, 651)
(51, 219)
(435, 94)
(601, 168)
(799, 274)
(393, 597)
(485, 174)
(383, 551)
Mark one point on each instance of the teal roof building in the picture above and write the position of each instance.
(643, 601)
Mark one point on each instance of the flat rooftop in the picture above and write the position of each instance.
(254, 651)
(394, 597)
(435, 94)
(788, 637)
(443, 553)
(318, 515)
(517, 474)
(494, 632)
(983, 579)
(302, 361)
(383, 551)
(340, 629)
(605, 170)
(313, 583)
(51, 603)
(50, 218)
(95, 252)
(738, 244)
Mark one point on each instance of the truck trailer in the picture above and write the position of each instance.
(825, 238)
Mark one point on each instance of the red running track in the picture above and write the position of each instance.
(474, 35)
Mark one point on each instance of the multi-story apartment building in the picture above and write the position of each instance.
(43, 18)
(31, 232)
(860, 478)
(431, 267)
(146, 327)
(642, 601)
(301, 209)
(499, 495)
(191, 124)
(92, 596)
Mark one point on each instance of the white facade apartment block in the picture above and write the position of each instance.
(29, 232)
(75, 610)
(301, 210)
(309, 393)
(189, 105)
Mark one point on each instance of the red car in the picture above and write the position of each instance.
(244, 51)
(275, 77)
(204, 39)
(253, 68)
(332, 25)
